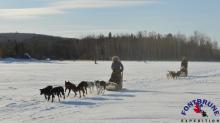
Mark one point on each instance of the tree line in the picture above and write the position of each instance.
(141, 46)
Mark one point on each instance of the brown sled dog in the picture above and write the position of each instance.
(82, 86)
(70, 86)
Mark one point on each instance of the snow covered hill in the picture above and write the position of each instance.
(148, 96)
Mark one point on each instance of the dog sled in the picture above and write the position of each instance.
(114, 86)
(183, 72)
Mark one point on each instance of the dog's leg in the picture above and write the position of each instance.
(90, 88)
(86, 90)
(172, 77)
(69, 92)
(103, 90)
(48, 98)
(83, 92)
(58, 95)
(93, 88)
(167, 76)
(75, 93)
(52, 97)
(99, 90)
(175, 76)
(45, 96)
(79, 94)
(62, 92)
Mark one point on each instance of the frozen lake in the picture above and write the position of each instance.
(148, 96)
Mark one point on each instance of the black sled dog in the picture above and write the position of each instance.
(46, 92)
(57, 91)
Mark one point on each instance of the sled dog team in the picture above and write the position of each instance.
(115, 83)
(174, 75)
(58, 91)
(183, 72)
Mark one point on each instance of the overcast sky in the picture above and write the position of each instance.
(76, 18)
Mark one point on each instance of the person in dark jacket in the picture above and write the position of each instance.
(184, 66)
(117, 70)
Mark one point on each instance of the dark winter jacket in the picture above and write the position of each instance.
(117, 66)
(184, 63)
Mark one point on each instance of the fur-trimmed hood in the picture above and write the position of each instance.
(115, 58)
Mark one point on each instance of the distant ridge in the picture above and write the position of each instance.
(25, 36)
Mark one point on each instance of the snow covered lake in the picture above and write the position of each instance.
(148, 96)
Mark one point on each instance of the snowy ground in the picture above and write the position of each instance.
(148, 97)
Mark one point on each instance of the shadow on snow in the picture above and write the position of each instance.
(72, 102)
